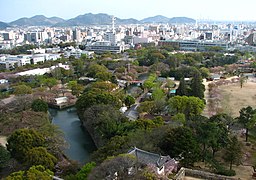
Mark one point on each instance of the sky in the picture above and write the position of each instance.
(233, 10)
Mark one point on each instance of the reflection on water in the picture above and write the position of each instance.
(80, 143)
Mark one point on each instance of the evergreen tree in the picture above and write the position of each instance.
(181, 143)
(39, 105)
(129, 100)
(22, 140)
(197, 88)
(248, 119)
(182, 89)
(4, 157)
(40, 156)
(233, 153)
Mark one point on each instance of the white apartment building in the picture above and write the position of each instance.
(10, 62)
(38, 58)
(77, 53)
(103, 46)
(138, 40)
(8, 65)
(21, 59)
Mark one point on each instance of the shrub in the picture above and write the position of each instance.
(39, 105)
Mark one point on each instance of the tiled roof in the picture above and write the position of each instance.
(145, 157)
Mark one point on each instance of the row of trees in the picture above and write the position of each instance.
(151, 55)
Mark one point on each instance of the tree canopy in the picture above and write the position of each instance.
(22, 140)
(90, 98)
(247, 118)
(180, 143)
(22, 90)
(190, 106)
(40, 156)
(34, 173)
(4, 156)
(233, 152)
(39, 105)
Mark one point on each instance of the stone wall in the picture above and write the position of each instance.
(180, 175)
(200, 174)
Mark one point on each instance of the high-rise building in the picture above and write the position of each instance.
(9, 36)
(251, 39)
(77, 35)
(110, 36)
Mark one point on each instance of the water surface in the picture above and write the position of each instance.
(80, 143)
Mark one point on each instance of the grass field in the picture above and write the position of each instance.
(234, 98)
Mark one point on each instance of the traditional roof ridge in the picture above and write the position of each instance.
(159, 159)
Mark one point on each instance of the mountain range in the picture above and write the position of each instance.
(3, 25)
(90, 19)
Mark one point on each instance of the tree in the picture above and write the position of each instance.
(40, 156)
(148, 124)
(79, 68)
(129, 100)
(34, 173)
(146, 106)
(57, 73)
(222, 119)
(159, 68)
(206, 134)
(101, 86)
(220, 137)
(190, 106)
(103, 75)
(39, 105)
(90, 98)
(113, 168)
(113, 147)
(4, 157)
(205, 73)
(197, 88)
(242, 80)
(94, 68)
(233, 152)
(75, 87)
(182, 89)
(104, 121)
(85, 171)
(39, 173)
(158, 94)
(179, 117)
(22, 90)
(248, 119)
(50, 82)
(181, 143)
(20, 175)
(22, 140)
(149, 83)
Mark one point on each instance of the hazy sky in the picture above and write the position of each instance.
(199, 9)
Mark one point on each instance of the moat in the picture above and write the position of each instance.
(80, 144)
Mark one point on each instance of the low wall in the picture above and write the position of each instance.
(180, 175)
(200, 175)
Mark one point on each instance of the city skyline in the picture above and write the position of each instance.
(197, 9)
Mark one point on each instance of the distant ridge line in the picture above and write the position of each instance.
(91, 19)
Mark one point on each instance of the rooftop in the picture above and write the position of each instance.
(145, 157)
